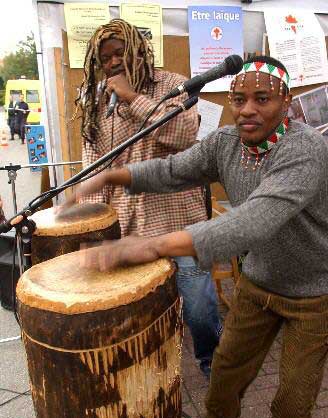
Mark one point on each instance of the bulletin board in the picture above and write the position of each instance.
(176, 59)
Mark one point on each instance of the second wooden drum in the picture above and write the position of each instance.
(58, 234)
(102, 345)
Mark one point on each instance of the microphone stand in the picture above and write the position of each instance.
(12, 176)
(25, 227)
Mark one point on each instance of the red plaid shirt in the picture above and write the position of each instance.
(148, 214)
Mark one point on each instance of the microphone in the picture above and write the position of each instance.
(112, 103)
(231, 65)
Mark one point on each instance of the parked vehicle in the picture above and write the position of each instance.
(31, 91)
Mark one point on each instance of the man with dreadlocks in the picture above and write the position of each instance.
(120, 59)
(275, 173)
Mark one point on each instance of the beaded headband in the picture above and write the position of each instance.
(262, 67)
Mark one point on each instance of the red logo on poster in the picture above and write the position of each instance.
(216, 33)
(292, 21)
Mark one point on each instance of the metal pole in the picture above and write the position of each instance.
(12, 175)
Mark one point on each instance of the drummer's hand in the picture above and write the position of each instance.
(90, 186)
(127, 251)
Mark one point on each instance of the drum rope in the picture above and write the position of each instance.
(177, 305)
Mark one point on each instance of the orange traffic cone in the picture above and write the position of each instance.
(3, 137)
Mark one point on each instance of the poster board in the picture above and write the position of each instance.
(36, 146)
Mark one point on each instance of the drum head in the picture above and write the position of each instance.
(61, 285)
(78, 219)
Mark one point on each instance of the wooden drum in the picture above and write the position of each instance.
(62, 233)
(102, 345)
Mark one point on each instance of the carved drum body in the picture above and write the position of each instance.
(102, 345)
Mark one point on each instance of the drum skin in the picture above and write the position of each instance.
(102, 350)
(62, 233)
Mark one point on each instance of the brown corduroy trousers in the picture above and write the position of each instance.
(252, 323)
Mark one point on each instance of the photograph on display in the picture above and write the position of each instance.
(295, 111)
(315, 107)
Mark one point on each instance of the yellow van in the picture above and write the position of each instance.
(31, 91)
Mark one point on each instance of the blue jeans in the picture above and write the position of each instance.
(200, 306)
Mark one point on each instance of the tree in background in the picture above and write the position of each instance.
(2, 91)
(23, 62)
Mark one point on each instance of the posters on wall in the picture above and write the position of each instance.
(297, 39)
(210, 115)
(36, 146)
(311, 108)
(82, 19)
(215, 32)
(148, 19)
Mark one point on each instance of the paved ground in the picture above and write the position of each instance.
(27, 183)
(15, 399)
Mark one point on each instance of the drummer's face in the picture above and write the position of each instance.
(111, 55)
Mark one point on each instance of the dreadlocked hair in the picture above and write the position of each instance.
(138, 60)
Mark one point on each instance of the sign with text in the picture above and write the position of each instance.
(298, 41)
(215, 32)
(82, 19)
(148, 19)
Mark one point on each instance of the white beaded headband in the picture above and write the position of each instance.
(262, 67)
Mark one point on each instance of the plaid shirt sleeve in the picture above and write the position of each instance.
(89, 156)
(180, 133)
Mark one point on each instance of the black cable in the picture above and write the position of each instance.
(61, 188)
(149, 115)
(15, 397)
(13, 287)
(15, 391)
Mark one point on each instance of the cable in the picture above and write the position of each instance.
(15, 397)
(13, 284)
(15, 391)
(61, 188)
(149, 114)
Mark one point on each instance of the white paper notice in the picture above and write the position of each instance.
(297, 40)
(82, 19)
(210, 117)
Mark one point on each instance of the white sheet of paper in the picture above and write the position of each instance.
(298, 41)
(210, 117)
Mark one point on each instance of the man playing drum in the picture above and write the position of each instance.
(120, 59)
(275, 173)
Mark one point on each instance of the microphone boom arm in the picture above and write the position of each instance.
(20, 221)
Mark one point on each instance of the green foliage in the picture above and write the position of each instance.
(21, 62)
(2, 97)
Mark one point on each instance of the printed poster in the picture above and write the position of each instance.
(82, 19)
(36, 146)
(215, 32)
(298, 41)
(148, 19)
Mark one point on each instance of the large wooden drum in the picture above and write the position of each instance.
(58, 234)
(102, 345)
